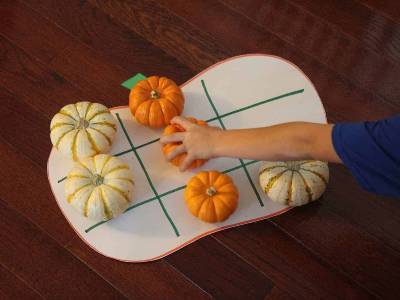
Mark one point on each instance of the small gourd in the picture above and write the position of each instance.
(211, 196)
(167, 148)
(83, 129)
(99, 187)
(155, 101)
(294, 183)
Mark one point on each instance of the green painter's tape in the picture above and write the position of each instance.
(147, 175)
(223, 126)
(216, 118)
(131, 82)
(165, 194)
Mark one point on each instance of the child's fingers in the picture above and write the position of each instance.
(178, 150)
(172, 138)
(182, 121)
(187, 161)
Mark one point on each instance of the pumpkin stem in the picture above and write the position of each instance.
(154, 94)
(81, 124)
(211, 191)
(97, 180)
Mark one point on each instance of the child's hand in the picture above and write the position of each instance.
(199, 142)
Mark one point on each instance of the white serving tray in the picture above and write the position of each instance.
(265, 89)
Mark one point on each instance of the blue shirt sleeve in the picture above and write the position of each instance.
(371, 151)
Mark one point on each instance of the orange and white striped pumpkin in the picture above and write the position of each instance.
(294, 183)
(83, 129)
(100, 187)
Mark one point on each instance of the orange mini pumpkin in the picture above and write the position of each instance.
(155, 101)
(211, 196)
(167, 148)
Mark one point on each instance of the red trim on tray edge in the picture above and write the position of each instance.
(211, 231)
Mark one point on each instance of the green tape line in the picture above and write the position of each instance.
(128, 209)
(62, 179)
(147, 175)
(131, 82)
(123, 152)
(165, 194)
(261, 103)
(223, 126)
(216, 118)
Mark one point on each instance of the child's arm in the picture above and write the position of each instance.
(290, 141)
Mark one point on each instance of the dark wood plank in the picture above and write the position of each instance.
(237, 34)
(379, 216)
(344, 55)
(44, 264)
(154, 280)
(97, 30)
(222, 273)
(389, 8)
(29, 80)
(71, 61)
(180, 39)
(372, 29)
(225, 26)
(37, 201)
(278, 294)
(292, 268)
(349, 249)
(11, 287)
(24, 128)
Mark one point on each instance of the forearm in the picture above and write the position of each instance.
(290, 141)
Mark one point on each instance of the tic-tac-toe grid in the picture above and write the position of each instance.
(219, 118)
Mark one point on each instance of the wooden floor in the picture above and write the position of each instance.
(346, 246)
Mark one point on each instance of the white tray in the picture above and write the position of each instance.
(251, 90)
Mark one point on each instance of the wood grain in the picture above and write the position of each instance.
(39, 260)
(156, 280)
(11, 287)
(345, 246)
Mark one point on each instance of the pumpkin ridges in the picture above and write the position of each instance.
(270, 168)
(61, 137)
(195, 204)
(169, 110)
(106, 111)
(306, 186)
(290, 189)
(272, 181)
(177, 107)
(107, 209)
(120, 167)
(56, 125)
(114, 188)
(61, 112)
(73, 146)
(153, 82)
(124, 178)
(142, 112)
(86, 206)
(71, 196)
(105, 123)
(102, 133)
(221, 208)
(324, 180)
(88, 108)
(196, 183)
(108, 159)
(92, 142)
(203, 177)
(155, 115)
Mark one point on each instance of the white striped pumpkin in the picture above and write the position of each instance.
(294, 183)
(99, 187)
(83, 129)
